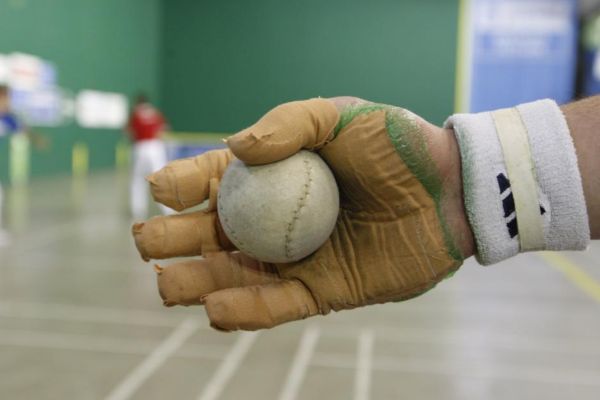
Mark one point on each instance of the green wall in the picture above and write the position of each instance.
(219, 65)
(226, 62)
(108, 45)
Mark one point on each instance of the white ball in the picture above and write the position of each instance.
(279, 212)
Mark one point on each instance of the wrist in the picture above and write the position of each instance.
(446, 155)
(582, 119)
(452, 202)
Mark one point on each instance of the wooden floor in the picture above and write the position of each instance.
(80, 319)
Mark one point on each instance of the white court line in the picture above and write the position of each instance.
(55, 233)
(302, 358)
(465, 339)
(99, 344)
(150, 364)
(495, 372)
(471, 338)
(46, 236)
(364, 357)
(65, 341)
(228, 366)
(334, 360)
(78, 313)
(474, 370)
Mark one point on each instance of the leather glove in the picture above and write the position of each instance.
(391, 242)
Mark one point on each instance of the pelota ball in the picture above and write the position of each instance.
(279, 212)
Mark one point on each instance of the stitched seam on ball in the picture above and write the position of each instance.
(232, 236)
(299, 206)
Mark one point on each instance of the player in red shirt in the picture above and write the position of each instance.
(146, 127)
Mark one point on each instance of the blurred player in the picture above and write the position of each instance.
(146, 126)
(9, 125)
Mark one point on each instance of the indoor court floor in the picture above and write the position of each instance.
(80, 318)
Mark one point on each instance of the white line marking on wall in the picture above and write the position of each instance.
(154, 360)
(364, 357)
(229, 365)
(306, 348)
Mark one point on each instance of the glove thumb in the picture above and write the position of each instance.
(285, 130)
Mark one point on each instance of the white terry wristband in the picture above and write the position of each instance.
(521, 181)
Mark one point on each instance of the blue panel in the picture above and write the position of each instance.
(522, 50)
(177, 151)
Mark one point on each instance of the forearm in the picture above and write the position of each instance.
(583, 119)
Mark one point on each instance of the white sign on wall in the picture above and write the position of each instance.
(40, 107)
(94, 109)
(25, 71)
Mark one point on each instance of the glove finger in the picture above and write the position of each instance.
(285, 130)
(187, 282)
(180, 235)
(260, 306)
(185, 183)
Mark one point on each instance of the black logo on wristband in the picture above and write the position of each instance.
(508, 204)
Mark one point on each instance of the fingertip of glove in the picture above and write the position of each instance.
(168, 303)
(252, 148)
(136, 228)
(158, 269)
(218, 328)
(137, 232)
(219, 313)
(162, 188)
(148, 237)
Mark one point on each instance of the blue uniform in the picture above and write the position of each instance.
(9, 124)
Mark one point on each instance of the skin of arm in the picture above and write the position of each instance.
(583, 119)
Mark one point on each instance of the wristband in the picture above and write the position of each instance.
(521, 182)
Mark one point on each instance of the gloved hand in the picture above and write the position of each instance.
(401, 228)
